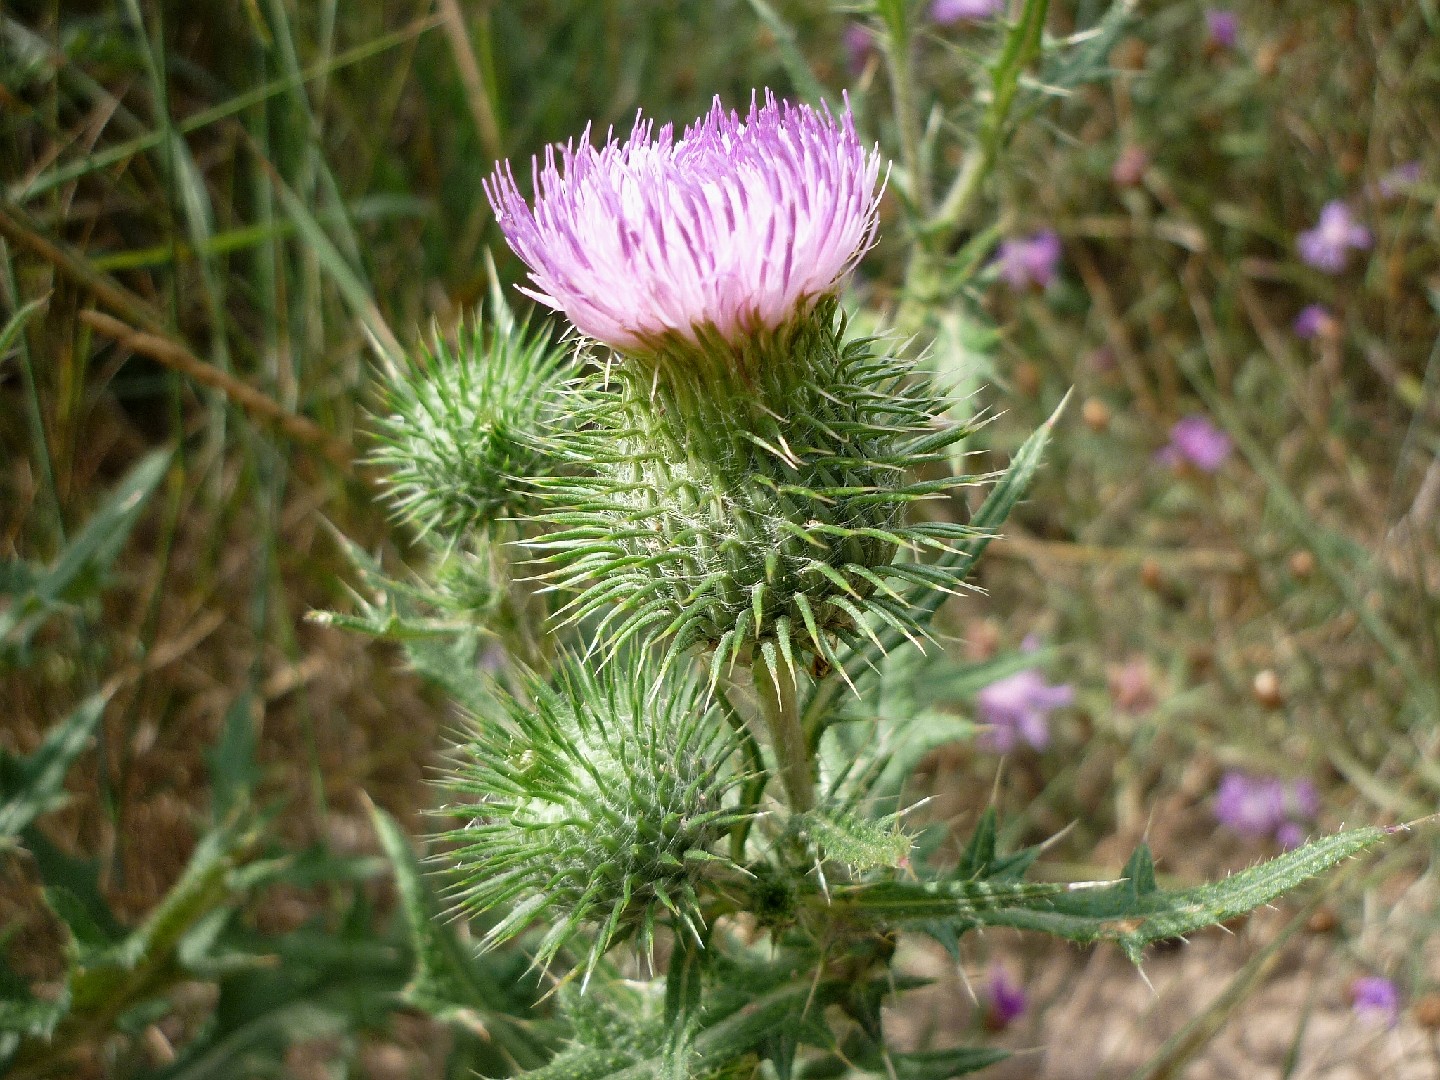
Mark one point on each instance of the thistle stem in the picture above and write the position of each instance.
(775, 686)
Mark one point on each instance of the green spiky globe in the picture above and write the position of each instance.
(600, 798)
(466, 425)
(768, 514)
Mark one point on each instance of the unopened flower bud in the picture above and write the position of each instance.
(601, 797)
(1266, 688)
(1302, 564)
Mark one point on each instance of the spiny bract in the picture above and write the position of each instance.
(600, 797)
(762, 516)
(468, 423)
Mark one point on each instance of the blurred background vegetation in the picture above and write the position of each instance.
(214, 216)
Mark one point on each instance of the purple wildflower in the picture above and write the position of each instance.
(1259, 806)
(1327, 246)
(735, 228)
(1398, 180)
(1314, 321)
(1195, 440)
(1005, 999)
(1223, 28)
(1376, 998)
(1018, 707)
(1251, 805)
(1030, 260)
(859, 47)
(946, 12)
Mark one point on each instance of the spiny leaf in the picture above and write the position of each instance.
(861, 844)
(446, 984)
(88, 554)
(1132, 913)
(35, 784)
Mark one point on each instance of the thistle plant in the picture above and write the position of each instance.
(734, 520)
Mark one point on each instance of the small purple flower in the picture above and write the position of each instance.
(1005, 999)
(1251, 805)
(1314, 321)
(737, 227)
(1259, 806)
(1031, 260)
(946, 12)
(859, 47)
(1327, 246)
(1195, 440)
(1223, 27)
(1376, 999)
(1398, 180)
(1018, 707)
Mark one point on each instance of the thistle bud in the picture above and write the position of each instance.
(600, 797)
(466, 425)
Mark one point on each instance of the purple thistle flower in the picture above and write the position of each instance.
(1376, 998)
(1398, 180)
(1018, 707)
(1195, 440)
(1223, 28)
(1005, 999)
(1327, 246)
(733, 229)
(1314, 321)
(1032, 260)
(947, 12)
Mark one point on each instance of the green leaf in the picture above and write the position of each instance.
(34, 785)
(979, 855)
(233, 766)
(79, 879)
(1132, 912)
(944, 1064)
(859, 843)
(446, 984)
(683, 981)
(124, 970)
(76, 573)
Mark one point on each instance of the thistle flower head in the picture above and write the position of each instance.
(732, 229)
(465, 425)
(600, 796)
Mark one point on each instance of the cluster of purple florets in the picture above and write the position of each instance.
(733, 228)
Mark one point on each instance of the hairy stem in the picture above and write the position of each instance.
(898, 46)
(775, 685)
